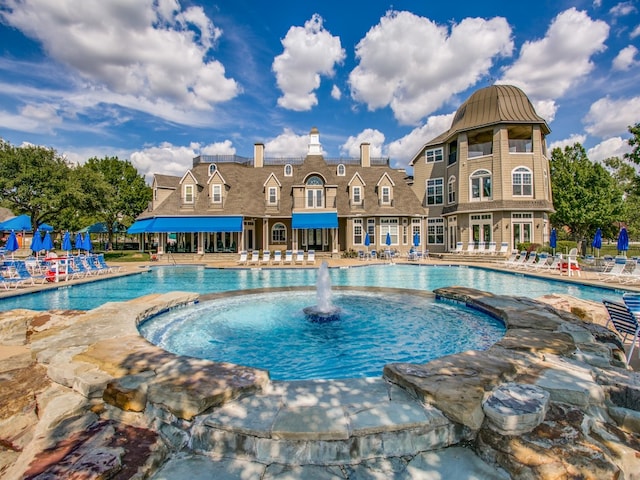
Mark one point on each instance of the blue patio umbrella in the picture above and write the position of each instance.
(45, 227)
(79, 242)
(21, 222)
(597, 240)
(86, 244)
(47, 243)
(416, 239)
(12, 243)
(623, 240)
(36, 243)
(367, 240)
(66, 242)
(553, 239)
(388, 240)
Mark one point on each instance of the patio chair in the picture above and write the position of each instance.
(572, 262)
(19, 275)
(491, 249)
(633, 275)
(458, 248)
(243, 258)
(277, 257)
(480, 249)
(311, 257)
(103, 264)
(614, 271)
(266, 257)
(471, 248)
(299, 257)
(255, 257)
(288, 257)
(504, 249)
(542, 263)
(513, 258)
(528, 261)
(625, 320)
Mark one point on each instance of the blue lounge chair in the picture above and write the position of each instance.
(102, 263)
(19, 275)
(625, 320)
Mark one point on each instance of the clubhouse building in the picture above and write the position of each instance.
(485, 179)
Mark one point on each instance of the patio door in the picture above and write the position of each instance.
(314, 239)
(522, 228)
(481, 228)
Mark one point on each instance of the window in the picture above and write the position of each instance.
(480, 143)
(216, 193)
(357, 198)
(481, 185)
(434, 155)
(453, 152)
(415, 230)
(188, 193)
(273, 195)
(520, 139)
(451, 190)
(389, 225)
(288, 170)
(279, 233)
(357, 231)
(315, 192)
(522, 182)
(386, 195)
(371, 229)
(212, 168)
(435, 231)
(341, 170)
(435, 191)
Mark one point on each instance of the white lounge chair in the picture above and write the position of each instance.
(480, 248)
(513, 258)
(266, 257)
(491, 249)
(471, 248)
(529, 260)
(243, 258)
(255, 257)
(299, 257)
(311, 257)
(542, 263)
(504, 249)
(624, 317)
(615, 271)
(288, 257)
(458, 247)
(277, 257)
(633, 274)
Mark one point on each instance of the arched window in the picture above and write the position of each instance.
(341, 170)
(279, 233)
(212, 168)
(522, 181)
(288, 170)
(481, 185)
(315, 192)
(451, 189)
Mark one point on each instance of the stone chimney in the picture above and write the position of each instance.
(365, 154)
(258, 155)
(314, 142)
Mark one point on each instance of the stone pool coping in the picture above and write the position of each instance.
(91, 369)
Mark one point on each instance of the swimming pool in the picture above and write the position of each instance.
(203, 280)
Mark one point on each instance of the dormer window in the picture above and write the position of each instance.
(341, 170)
(357, 195)
(187, 191)
(385, 195)
(212, 168)
(315, 192)
(216, 193)
(273, 195)
(288, 170)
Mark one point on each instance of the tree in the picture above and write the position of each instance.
(585, 195)
(634, 142)
(125, 194)
(37, 181)
(627, 179)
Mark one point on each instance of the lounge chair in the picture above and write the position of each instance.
(311, 257)
(614, 271)
(542, 263)
(243, 258)
(19, 275)
(480, 249)
(625, 320)
(528, 260)
(103, 264)
(255, 257)
(277, 257)
(299, 257)
(458, 248)
(555, 266)
(266, 257)
(632, 275)
(91, 265)
(491, 249)
(513, 258)
(471, 248)
(288, 257)
(504, 249)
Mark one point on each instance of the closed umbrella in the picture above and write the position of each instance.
(623, 240)
(12, 243)
(597, 241)
(553, 240)
(79, 242)
(86, 244)
(388, 240)
(367, 240)
(47, 243)
(66, 242)
(36, 244)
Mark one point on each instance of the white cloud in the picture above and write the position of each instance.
(287, 144)
(414, 66)
(546, 109)
(612, 147)
(401, 151)
(219, 148)
(165, 158)
(568, 142)
(608, 117)
(548, 68)
(635, 32)
(375, 138)
(309, 52)
(336, 94)
(625, 58)
(621, 9)
(147, 50)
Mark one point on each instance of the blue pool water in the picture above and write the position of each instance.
(210, 280)
(270, 331)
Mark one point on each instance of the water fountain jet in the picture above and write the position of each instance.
(324, 310)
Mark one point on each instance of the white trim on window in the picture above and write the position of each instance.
(216, 193)
(188, 193)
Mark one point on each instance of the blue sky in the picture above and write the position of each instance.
(161, 81)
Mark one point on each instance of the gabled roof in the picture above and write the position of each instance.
(166, 181)
(356, 175)
(385, 174)
(272, 175)
(216, 174)
(188, 174)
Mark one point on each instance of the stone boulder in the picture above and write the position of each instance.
(514, 409)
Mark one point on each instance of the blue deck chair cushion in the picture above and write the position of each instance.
(624, 320)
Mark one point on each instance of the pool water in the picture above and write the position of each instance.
(270, 331)
(202, 280)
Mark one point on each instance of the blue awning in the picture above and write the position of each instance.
(187, 224)
(315, 220)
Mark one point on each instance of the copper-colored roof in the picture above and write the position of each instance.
(490, 106)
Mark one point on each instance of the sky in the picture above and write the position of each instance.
(158, 82)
